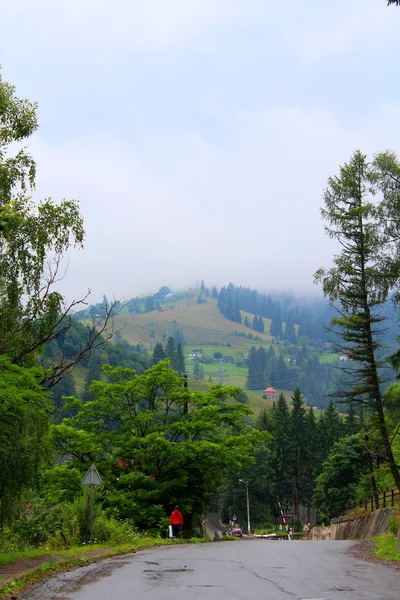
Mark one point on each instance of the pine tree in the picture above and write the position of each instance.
(364, 273)
(261, 364)
(196, 368)
(246, 322)
(158, 353)
(201, 373)
(261, 328)
(149, 304)
(180, 360)
(171, 353)
(312, 456)
(264, 420)
(330, 428)
(202, 288)
(352, 424)
(221, 300)
(299, 440)
(252, 382)
(214, 292)
(281, 430)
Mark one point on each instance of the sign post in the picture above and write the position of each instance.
(91, 479)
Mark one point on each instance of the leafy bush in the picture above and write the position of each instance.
(29, 530)
(113, 531)
(393, 525)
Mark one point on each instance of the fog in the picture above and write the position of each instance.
(199, 136)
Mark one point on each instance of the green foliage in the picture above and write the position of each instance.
(24, 432)
(337, 484)
(385, 547)
(155, 442)
(260, 474)
(365, 271)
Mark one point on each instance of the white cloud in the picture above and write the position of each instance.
(138, 25)
(186, 208)
(365, 26)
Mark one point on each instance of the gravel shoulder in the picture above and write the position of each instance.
(364, 551)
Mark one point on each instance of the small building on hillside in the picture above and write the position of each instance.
(228, 359)
(269, 394)
(195, 355)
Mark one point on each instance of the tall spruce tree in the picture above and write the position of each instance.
(172, 353)
(283, 447)
(252, 382)
(312, 456)
(158, 353)
(365, 271)
(180, 360)
(299, 440)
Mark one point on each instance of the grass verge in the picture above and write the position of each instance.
(72, 558)
(385, 547)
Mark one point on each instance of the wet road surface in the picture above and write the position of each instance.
(245, 570)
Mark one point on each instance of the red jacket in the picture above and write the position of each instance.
(176, 518)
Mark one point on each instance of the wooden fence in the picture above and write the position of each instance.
(381, 500)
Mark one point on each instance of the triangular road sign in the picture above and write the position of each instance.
(92, 477)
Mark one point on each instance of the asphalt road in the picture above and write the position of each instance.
(245, 570)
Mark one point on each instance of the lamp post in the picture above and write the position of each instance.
(246, 483)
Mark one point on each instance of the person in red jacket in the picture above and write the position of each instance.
(176, 521)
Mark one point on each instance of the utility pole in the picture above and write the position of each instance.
(185, 385)
(293, 503)
(221, 373)
(246, 483)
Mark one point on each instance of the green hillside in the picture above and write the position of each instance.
(203, 327)
(201, 324)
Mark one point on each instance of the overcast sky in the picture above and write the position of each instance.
(198, 135)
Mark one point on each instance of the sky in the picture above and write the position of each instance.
(198, 135)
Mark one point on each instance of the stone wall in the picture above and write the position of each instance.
(355, 527)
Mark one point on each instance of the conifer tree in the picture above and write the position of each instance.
(252, 382)
(261, 328)
(214, 292)
(196, 368)
(246, 322)
(180, 360)
(352, 424)
(312, 456)
(158, 353)
(263, 422)
(365, 271)
(283, 447)
(298, 437)
(171, 353)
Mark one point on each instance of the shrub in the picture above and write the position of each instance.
(393, 525)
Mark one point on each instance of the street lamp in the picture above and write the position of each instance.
(246, 483)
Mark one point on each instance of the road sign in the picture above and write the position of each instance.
(92, 477)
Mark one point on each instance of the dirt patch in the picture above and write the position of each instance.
(20, 567)
(363, 551)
